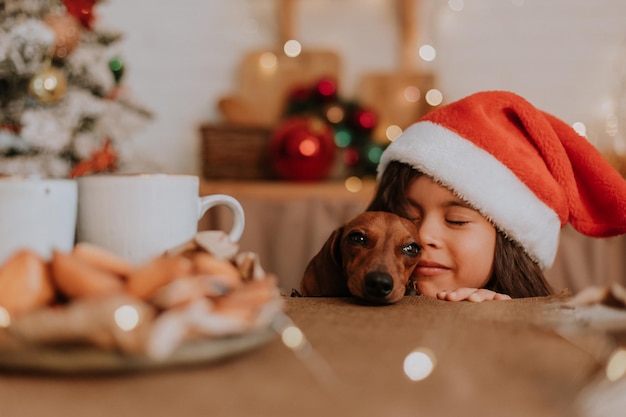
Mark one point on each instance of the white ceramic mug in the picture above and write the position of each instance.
(36, 214)
(141, 216)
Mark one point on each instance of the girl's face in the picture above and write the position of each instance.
(458, 243)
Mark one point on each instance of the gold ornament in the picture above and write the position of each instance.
(66, 30)
(48, 85)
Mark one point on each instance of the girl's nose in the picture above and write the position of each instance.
(428, 232)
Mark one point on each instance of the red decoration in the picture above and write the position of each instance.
(81, 10)
(116, 93)
(351, 157)
(299, 94)
(66, 29)
(326, 89)
(352, 124)
(102, 160)
(303, 149)
(365, 119)
(11, 128)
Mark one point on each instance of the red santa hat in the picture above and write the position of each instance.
(526, 171)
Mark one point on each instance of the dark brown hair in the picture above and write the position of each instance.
(514, 272)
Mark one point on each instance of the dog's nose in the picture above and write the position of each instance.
(378, 284)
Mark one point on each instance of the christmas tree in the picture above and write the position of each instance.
(63, 111)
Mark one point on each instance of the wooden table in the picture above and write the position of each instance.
(496, 359)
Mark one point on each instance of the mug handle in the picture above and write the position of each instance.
(239, 219)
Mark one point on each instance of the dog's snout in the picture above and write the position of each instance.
(378, 284)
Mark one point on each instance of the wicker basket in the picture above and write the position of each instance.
(235, 152)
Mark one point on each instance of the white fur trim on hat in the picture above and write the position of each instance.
(481, 180)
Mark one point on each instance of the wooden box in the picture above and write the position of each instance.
(235, 152)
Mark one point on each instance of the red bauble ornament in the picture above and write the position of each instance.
(303, 149)
(81, 10)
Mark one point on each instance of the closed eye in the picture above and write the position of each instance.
(412, 249)
(357, 238)
(457, 222)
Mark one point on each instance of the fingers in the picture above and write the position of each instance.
(483, 295)
(475, 295)
(458, 294)
(499, 296)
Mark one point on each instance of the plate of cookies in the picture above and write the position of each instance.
(88, 310)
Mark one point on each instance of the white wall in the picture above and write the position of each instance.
(181, 57)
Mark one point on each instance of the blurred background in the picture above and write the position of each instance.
(567, 57)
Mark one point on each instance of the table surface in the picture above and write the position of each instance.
(492, 359)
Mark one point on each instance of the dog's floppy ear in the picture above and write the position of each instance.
(324, 276)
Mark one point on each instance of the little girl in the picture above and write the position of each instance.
(489, 181)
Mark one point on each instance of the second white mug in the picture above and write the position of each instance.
(141, 216)
(36, 214)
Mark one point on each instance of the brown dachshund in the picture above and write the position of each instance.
(371, 257)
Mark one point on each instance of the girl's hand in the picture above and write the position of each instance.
(475, 295)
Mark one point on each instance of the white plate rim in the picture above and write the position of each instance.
(76, 360)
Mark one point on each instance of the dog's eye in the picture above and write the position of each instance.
(412, 249)
(357, 238)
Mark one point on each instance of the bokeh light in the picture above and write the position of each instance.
(367, 119)
(419, 364)
(292, 48)
(412, 94)
(309, 146)
(293, 337)
(374, 153)
(392, 132)
(268, 60)
(353, 184)
(616, 365)
(326, 88)
(580, 128)
(427, 53)
(335, 114)
(434, 97)
(49, 83)
(5, 318)
(126, 317)
(343, 137)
